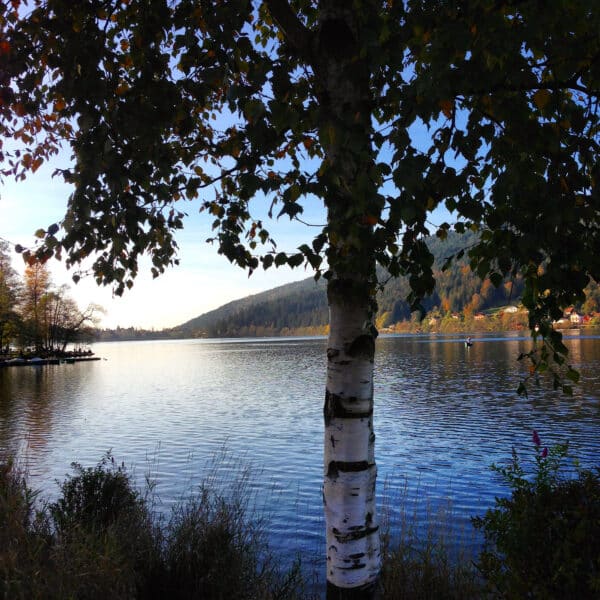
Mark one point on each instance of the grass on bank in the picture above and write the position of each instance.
(102, 539)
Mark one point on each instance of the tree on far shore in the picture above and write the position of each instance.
(10, 287)
(36, 314)
(34, 304)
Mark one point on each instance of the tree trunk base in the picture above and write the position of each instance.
(368, 592)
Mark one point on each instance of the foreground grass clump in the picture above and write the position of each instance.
(543, 541)
(99, 540)
(418, 563)
(427, 572)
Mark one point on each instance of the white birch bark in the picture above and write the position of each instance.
(353, 546)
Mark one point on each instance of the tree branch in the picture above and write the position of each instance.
(294, 30)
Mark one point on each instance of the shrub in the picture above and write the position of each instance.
(96, 498)
(544, 540)
(104, 539)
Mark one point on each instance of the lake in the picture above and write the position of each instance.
(443, 414)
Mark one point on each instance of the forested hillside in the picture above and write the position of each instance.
(457, 288)
(293, 306)
(301, 307)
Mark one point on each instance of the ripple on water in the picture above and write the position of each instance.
(442, 416)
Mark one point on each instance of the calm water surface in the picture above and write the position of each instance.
(444, 413)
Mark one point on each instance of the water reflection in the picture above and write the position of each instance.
(444, 413)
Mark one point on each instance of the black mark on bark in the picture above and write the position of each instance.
(355, 534)
(363, 347)
(334, 408)
(335, 467)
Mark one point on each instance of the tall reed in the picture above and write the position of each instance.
(418, 561)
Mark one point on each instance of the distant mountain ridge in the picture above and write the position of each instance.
(301, 307)
(292, 306)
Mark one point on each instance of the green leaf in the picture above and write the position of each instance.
(254, 109)
(296, 260)
(281, 259)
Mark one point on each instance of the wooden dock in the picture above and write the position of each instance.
(40, 362)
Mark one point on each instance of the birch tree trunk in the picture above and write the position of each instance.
(353, 547)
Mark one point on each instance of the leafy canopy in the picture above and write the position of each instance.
(168, 102)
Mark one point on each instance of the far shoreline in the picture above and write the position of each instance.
(133, 334)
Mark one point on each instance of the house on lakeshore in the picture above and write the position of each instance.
(573, 316)
(576, 318)
(570, 318)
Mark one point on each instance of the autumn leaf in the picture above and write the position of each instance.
(369, 220)
(541, 98)
(20, 109)
(447, 107)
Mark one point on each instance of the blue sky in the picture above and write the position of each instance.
(203, 281)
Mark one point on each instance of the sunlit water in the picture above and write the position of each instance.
(444, 413)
